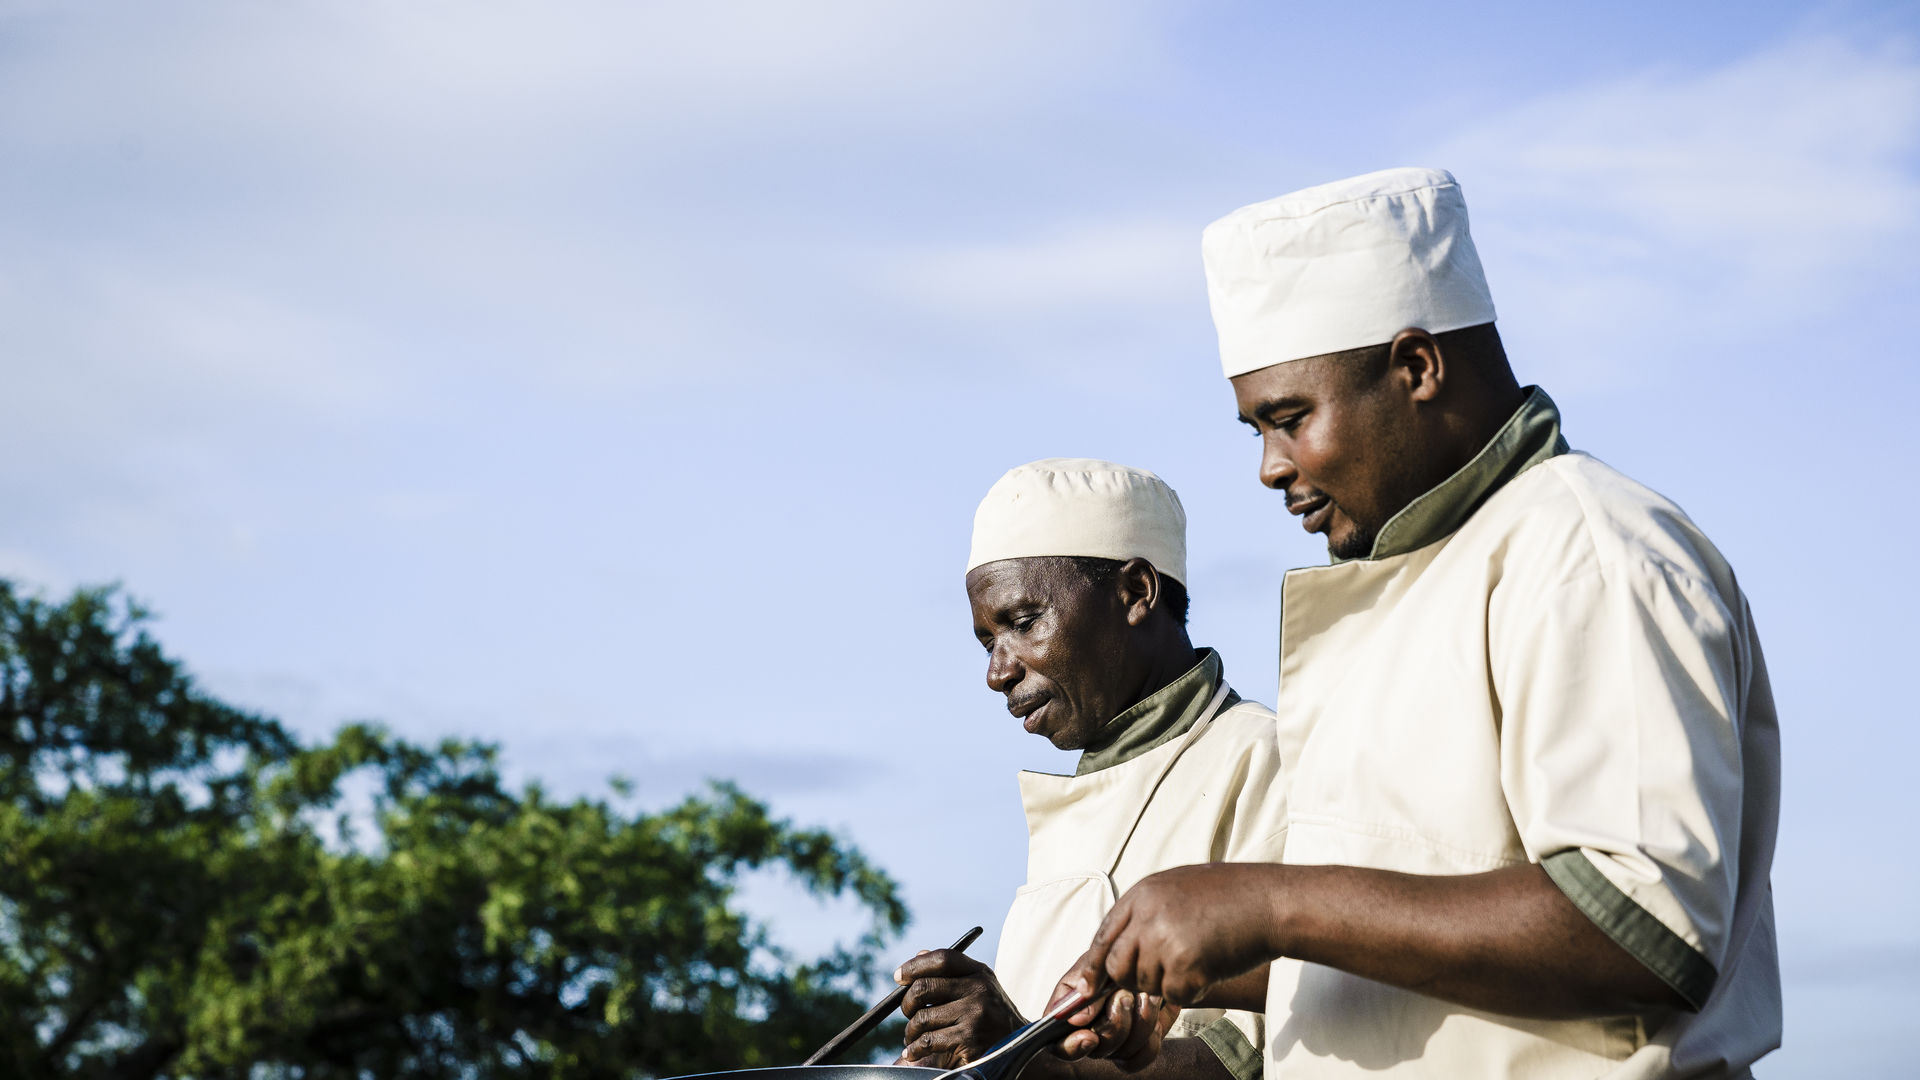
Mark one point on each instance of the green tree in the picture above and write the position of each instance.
(183, 893)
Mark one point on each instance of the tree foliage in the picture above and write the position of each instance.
(186, 890)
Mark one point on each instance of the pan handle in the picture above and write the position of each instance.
(1005, 1061)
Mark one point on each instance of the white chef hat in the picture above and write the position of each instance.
(1342, 266)
(1079, 506)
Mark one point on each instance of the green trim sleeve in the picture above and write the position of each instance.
(1632, 927)
(1228, 1043)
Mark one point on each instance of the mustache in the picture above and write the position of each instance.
(1026, 703)
(1295, 502)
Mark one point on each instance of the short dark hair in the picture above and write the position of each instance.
(1099, 572)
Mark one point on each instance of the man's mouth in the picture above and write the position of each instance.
(1027, 710)
(1315, 512)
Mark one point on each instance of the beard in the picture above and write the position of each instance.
(1357, 545)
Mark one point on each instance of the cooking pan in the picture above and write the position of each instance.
(822, 1072)
(1003, 1062)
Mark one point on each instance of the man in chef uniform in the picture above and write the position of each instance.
(1533, 766)
(1077, 583)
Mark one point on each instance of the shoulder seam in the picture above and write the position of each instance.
(1607, 566)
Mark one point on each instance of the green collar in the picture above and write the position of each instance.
(1160, 717)
(1529, 437)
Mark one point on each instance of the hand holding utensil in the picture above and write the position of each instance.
(871, 1019)
(1005, 1061)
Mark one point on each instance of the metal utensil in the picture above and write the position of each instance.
(871, 1019)
(821, 1072)
(1005, 1061)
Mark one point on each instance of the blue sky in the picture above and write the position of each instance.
(617, 381)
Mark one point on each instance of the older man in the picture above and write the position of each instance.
(1076, 581)
(1533, 755)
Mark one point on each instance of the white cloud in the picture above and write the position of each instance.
(311, 79)
(1099, 264)
(33, 573)
(410, 507)
(121, 329)
(1773, 188)
(314, 202)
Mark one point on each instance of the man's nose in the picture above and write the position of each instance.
(1276, 468)
(1003, 671)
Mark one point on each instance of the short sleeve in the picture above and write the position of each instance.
(1237, 1039)
(1619, 693)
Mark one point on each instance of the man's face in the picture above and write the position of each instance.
(1056, 646)
(1338, 438)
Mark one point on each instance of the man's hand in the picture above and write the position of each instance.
(955, 1009)
(1126, 1028)
(1179, 932)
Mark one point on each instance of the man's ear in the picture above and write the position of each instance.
(1415, 357)
(1139, 585)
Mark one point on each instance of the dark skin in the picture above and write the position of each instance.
(1069, 655)
(1350, 439)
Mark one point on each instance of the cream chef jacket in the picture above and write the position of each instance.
(1542, 661)
(1190, 775)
